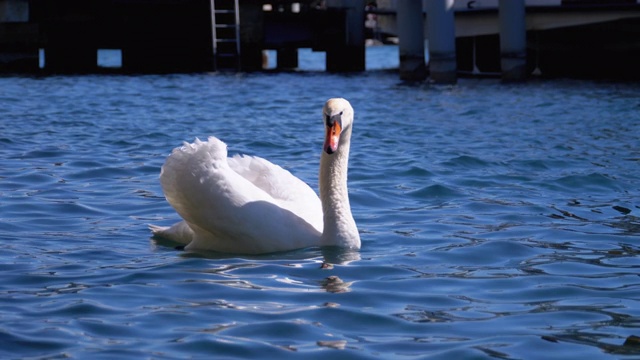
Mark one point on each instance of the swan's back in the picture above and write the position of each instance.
(242, 204)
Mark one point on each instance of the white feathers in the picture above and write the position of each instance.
(246, 204)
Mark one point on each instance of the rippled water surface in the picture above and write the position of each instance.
(498, 221)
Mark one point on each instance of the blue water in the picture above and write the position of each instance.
(498, 221)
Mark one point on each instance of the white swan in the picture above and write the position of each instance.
(248, 205)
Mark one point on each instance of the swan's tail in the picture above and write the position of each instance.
(178, 232)
(158, 230)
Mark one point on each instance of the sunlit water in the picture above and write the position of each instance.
(498, 221)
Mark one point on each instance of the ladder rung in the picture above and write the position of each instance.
(227, 20)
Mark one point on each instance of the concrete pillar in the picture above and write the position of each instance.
(441, 32)
(513, 40)
(411, 36)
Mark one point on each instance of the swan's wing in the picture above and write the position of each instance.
(287, 190)
(197, 181)
(225, 210)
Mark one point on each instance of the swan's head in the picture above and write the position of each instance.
(338, 117)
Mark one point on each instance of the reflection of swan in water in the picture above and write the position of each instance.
(248, 205)
(334, 284)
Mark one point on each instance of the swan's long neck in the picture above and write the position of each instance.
(339, 227)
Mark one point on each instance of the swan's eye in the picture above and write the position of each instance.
(330, 120)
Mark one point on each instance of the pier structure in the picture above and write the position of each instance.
(335, 27)
(441, 34)
(156, 36)
(508, 38)
(517, 38)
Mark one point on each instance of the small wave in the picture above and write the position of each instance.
(437, 191)
(466, 161)
(589, 182)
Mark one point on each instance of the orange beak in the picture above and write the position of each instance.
(332, 137)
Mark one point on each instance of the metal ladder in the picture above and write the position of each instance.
(225, 22)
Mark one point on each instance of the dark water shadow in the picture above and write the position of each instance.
(330, 254)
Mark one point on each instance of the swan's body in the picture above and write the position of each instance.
(246, 204)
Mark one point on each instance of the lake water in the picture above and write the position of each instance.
(497, 221)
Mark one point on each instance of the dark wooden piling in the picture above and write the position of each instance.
(346, 50)
(252, 22)
(165, 36)
(19, 39)
(68, 32)
(153, 36)
(287, 58)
